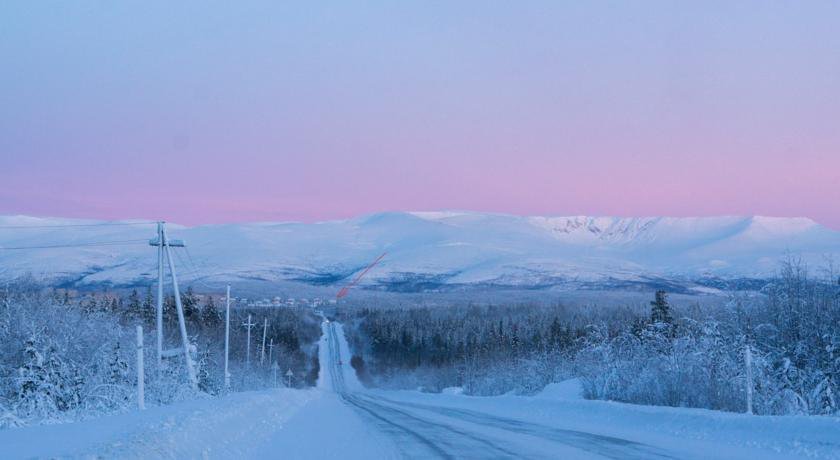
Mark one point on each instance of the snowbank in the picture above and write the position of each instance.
(566, 390)
(231, 426)
(453, 391)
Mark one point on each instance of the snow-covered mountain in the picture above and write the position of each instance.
(425, 250)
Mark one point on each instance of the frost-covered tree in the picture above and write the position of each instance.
(134, 301)
(64, 380)
(210, 314)
(31, 385)
(148, 307)
(660, 310)
(190, 303)
(64, 362)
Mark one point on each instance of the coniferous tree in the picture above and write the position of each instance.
(170, 314)
(209, 314)
(31, 381)
(148, 307)
(190, 304)
(64, 381)
(134, 301)
(117, 367)
(114, 306)
(660, 311)
(91, 305)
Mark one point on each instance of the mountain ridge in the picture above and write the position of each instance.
(434, 250)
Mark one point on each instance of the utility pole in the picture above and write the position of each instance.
(227, 336)
(164, 246)
(270, 349)
(159, 304)
(289, 375)
(274, 368)
(262, 350)
(181, 322)
(748, 363)
(6, 301)
(248, 326)
(141, 377)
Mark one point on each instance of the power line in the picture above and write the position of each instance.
(101, 224)
(77, 245)
(204, 264)
(195, 271)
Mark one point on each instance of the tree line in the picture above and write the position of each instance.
(66, 355)
(687, 357)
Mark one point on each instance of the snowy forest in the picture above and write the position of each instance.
(692, 356)
(67, 356)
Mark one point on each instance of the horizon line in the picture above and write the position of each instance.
(140, 220)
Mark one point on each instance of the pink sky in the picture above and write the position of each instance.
(204, 114)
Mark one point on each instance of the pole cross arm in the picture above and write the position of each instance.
(170, 243)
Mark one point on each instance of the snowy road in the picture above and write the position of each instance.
(429, 431)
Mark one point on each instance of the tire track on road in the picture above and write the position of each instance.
(439, 440)
(607, 446)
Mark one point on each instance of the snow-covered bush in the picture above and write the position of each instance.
(53, 358)
(792, 333)
(65, 356)
(692, 357)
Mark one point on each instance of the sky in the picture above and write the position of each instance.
(204, 111)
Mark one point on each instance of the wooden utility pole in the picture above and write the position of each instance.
(227, 336)
(748, 363)
(141, 373)
(165, 246)
(182, 325)
(159, 304)
(248, 326)
(270, 349)
(262, 349)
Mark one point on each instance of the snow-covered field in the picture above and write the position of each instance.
(224, 427)
(339, 419)
(424, 249)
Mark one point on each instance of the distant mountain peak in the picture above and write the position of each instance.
(455, 248)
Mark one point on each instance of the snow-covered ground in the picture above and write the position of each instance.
(340, 419)
(226, 427)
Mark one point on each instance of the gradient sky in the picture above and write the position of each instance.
(219, 111)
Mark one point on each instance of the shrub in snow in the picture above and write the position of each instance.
(64, 357)
(693, 358)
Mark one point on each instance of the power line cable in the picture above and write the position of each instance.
(194, 269)
(101, 224)
(76, 245)
(204, 264)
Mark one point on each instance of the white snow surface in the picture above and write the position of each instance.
(440, 247)
(340, 419)
(226, 427)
